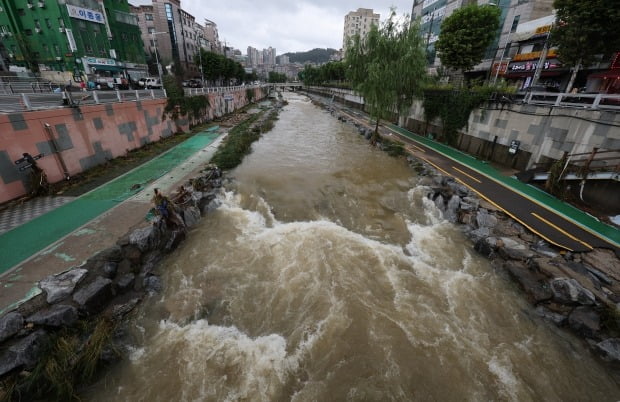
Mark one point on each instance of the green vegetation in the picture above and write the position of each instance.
(177, 104)
(331, 74)
(388, 68)
(583, 30)
(317, 56)
(71, 357)
(240, 139)
(466, 34)
(219, 68)
(453, 107)
(276, 77)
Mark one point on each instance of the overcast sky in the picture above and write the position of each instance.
(287, 25)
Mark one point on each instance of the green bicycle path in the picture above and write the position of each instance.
(566, 210)
(26, 240)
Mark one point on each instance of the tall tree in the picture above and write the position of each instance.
(466, 34)
(584, 29)
(388, 67)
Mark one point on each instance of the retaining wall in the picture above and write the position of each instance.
(86, 136)
(544, 132)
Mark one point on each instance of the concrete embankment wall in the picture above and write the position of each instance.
(544, 132)
(80, 138)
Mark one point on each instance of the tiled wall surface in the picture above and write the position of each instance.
(87, 136)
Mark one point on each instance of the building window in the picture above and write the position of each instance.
(48, 23)
(151, 30)
(148, 17)
(37, 24)
(88, 48)
(28, 32)
(515, 24)
(61, 22)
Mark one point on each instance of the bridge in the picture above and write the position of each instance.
(286, 84)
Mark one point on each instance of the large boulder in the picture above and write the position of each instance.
(512, 249)
(486, 246)
(10, 324)
(610, 348)
(585, 321)
(23, 354)
(604, 261)
(94, 297)
(451, 209)
(191, 216)
(146, 238)
(59, 315)
(58, 287)
(532, 282)
(485, 219)
(569, 291)
(556, 318)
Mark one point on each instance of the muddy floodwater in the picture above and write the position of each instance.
(325, 275)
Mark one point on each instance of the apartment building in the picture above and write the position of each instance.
(358, 23)
(174, 33)
(431, 14)
(70, 40)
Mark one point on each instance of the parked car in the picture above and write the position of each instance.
(149, 83)
(194, 83)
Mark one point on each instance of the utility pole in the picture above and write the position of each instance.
(541, 60)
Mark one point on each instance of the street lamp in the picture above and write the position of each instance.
(202, 76)
(161, 81)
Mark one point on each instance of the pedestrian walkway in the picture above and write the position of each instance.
(26, 240)
(19, 214)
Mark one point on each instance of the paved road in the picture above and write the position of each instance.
(539, 217)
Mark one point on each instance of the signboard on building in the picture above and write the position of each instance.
(71, 40)
(85, 14)
(101, 61)
(514, 147)
(531, 66)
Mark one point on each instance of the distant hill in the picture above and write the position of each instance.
(315, 55)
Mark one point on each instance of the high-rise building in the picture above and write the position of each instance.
(358, 23)
(269, 56)
(211, 35)
(173, 32)
(433, 12)
(69, 39)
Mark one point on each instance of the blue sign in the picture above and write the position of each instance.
(85, 14)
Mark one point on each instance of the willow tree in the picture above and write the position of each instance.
(387, 67)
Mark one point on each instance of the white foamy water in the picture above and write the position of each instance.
(327, 275)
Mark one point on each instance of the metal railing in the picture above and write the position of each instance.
(217, 90)
(22, 102)
(588, 101)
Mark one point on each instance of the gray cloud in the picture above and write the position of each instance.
(287, 25)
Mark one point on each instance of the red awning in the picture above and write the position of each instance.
(606, 74)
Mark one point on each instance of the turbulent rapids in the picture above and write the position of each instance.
(326, 275)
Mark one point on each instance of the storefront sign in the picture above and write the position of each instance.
(543, 30)
(535, 55)
(514, 147)
(71, 40)
(105, 62)
(436, 14)
(85, 14)
(499, 68)
(531, 66)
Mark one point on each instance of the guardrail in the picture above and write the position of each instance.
(588, 101)
(217, 90)
(37, 101)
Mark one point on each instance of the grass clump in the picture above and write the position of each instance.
(239, 141)
(71, 357)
